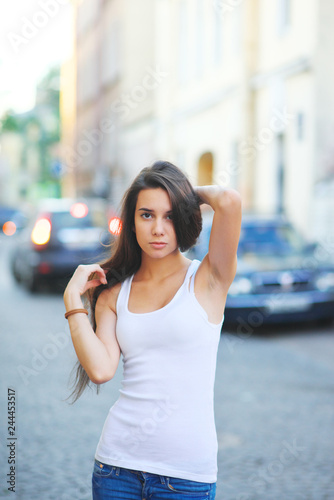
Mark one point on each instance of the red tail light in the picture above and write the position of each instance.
(79, 210)
(44, 268)
(115, 226)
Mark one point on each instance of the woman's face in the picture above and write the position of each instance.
(153, 223)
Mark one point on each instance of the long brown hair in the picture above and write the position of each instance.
(126, 254)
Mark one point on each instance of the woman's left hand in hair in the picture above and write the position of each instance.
(211, 195)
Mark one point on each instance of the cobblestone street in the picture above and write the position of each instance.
(274, 404)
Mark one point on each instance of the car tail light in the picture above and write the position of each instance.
(44, 268)
(79, 210)
(9, 228)
(41, 232)
(115, 226)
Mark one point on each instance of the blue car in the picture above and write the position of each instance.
(280, 277)
(60, 235)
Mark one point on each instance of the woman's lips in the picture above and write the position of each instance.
(158, 245)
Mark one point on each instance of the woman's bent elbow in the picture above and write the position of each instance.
(230, 199)
(100, 378)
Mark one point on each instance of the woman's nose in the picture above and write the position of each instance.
(158, 227)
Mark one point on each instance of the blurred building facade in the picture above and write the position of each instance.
(29, 141)
(114, 115)
(68, 113)
(235, 93)
(11, 148)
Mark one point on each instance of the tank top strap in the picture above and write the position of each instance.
(192, 271)
(123, 294)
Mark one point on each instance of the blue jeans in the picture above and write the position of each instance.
(110, 482)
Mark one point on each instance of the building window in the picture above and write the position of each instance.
(110, 54)
(300, 126)
(200, 38)
(284, 16)
(217, 36)
(237, 30)
(280, 162)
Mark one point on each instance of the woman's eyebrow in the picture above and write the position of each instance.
(150, 210)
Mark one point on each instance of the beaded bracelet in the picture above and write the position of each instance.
(73, 311)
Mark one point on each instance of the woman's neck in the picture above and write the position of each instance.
(158, 269)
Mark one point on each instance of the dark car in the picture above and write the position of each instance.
(60, 235)
(280, 276)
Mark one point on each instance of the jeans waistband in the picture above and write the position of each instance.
(145, 475)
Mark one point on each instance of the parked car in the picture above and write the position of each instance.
(280, 276)
(60, 235)
(12, 219)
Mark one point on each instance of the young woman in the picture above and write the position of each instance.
(163, 313)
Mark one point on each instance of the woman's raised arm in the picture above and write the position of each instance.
(221, 260)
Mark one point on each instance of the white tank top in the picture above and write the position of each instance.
(163, 421)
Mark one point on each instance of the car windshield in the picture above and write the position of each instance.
(64, 219)
(270, 239)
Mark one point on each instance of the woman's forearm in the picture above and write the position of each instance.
(91, 352)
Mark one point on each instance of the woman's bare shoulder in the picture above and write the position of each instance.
(109, 296)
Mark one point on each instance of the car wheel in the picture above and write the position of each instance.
(16, 275)
(59, 285)
(31, 282)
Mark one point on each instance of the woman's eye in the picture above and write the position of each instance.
(147, 215)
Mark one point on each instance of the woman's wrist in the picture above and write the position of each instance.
(72, 299)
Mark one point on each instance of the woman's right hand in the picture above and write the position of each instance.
(80, 281)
